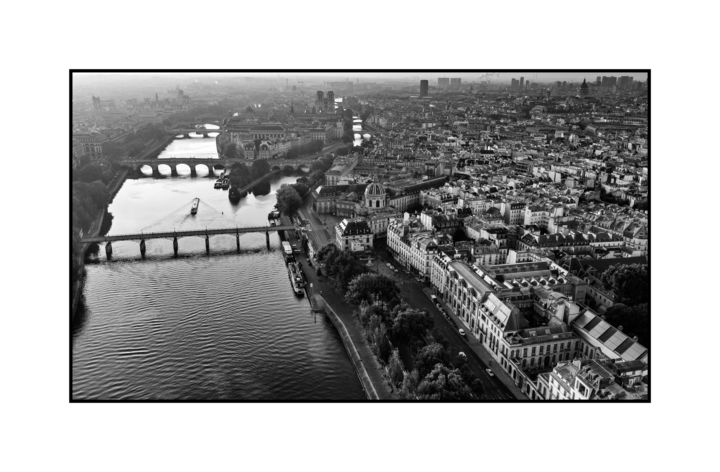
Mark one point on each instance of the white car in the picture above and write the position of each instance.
(490, 372)
(462, 355)
(462, 332)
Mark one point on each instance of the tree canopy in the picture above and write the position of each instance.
(629, 282)
(341, 266)
(410, 324)
(371, 287)
(288, 199)
(429, 356)
(442, 383)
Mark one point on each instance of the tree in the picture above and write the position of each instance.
(411, 323)
(409, 385)
(629, 282)
(230, 151)
(395, 368)
(371, 287)
(429, 356)
(444, 384)
(288, 199)
(240, 175)
(301, 188)
(635, 320)
(259, 168)
(89, 173)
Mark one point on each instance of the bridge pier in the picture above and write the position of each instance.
(237, 242)
(193, 172)
(142, 248)
(207, 244)
(267, 239)
(108, 250)
(173, 171)
(211, 171)
(155, 171)
(175, 246)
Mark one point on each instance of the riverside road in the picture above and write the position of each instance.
(412, 291)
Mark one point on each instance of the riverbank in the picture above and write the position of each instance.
(155, 148)
(322, 296)
(113, 188)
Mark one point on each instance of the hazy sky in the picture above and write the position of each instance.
(362, 76)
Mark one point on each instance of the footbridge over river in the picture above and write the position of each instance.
(181, 223)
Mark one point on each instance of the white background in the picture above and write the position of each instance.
(42, 431)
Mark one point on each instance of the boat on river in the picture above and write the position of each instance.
(297, 280)
(195, 205)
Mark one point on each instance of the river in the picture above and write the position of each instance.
(226, 327)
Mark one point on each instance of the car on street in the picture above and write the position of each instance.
(490, 372)
(462, 355)
(462, 332)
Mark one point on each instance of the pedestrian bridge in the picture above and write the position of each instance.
(206, 233)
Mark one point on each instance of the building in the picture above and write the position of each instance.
(411, 246)
(353, 235)
(375, 196)
(423, 88)
(455, 83)
(87, 144)
(443, 83)
(514, 213)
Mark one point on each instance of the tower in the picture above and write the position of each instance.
(423, 88)
(584, 89)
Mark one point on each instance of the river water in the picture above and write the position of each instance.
(227, 326)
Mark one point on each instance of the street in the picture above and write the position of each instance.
(412, 292)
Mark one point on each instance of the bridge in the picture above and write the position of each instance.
(186, 131)
(142, 237)
(210, 163)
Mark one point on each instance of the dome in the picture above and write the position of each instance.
(375, 190)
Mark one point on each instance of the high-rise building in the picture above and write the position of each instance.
(598, 80)
(625, 82)
(522, 83)
(319, 100)
(443, 83)
(584, 89)
(423, 88)
(514, 83)
(455, 83)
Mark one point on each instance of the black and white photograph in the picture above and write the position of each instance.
(351, 236)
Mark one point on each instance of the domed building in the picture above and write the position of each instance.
(375, 196)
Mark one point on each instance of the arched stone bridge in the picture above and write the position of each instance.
(193, 162)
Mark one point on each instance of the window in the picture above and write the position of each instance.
(541, 350)
(524, 352)
(533, 351)
(555, 348)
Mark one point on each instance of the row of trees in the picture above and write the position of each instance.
(134, 143)
(392, 327)
(290, 197)
(304, 149)
(340, 266)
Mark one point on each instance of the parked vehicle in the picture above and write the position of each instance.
(462, 332)
(490, 372)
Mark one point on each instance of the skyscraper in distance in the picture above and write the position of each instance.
(423, 88)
